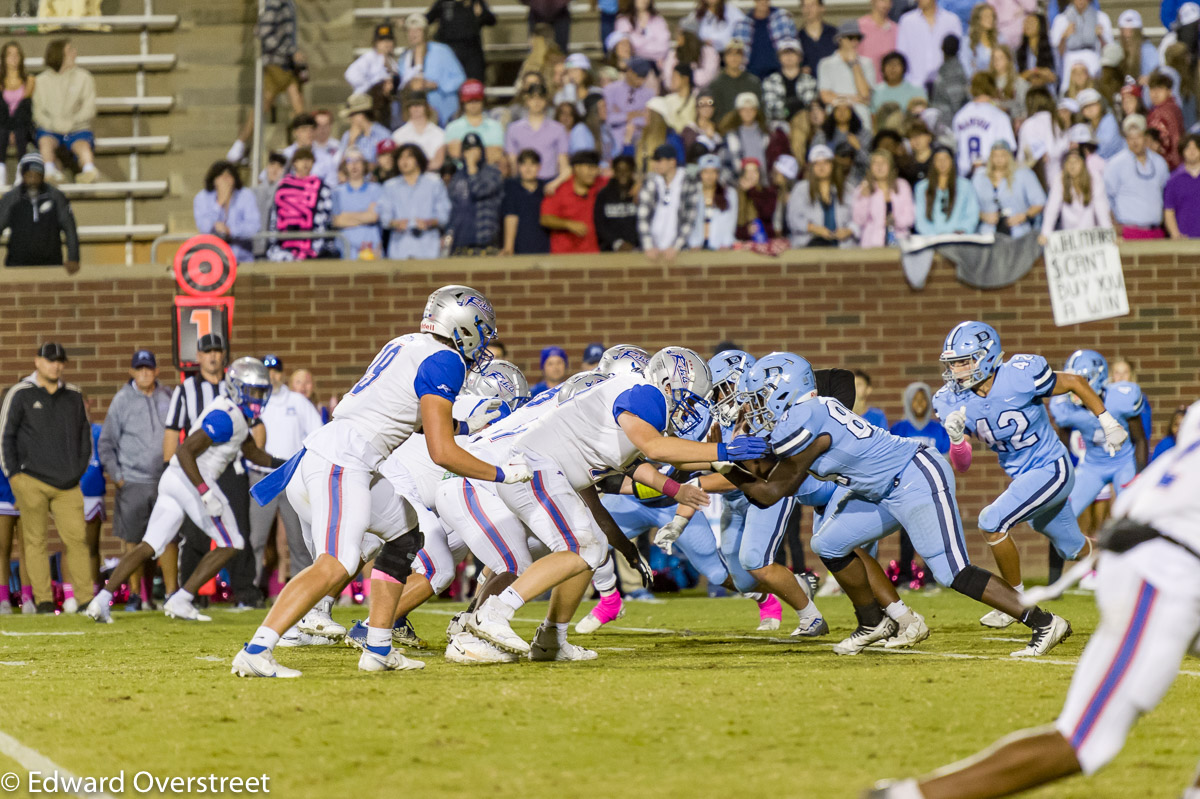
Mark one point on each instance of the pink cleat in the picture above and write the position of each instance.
(770, 612)
(609, 608)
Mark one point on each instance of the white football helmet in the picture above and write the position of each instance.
(685, 379)
(623, 359)
(580, 381)
(464, 316)
(500, 379)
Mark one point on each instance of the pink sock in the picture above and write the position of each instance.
(27, 593)
(378, 575)
(347, 590)
(68, 591)
(4, 595)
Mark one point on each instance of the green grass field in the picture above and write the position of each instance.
(691, 703)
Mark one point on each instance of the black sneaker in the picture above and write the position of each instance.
(134, 604)
(45, 607)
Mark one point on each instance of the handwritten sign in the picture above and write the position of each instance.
(1083, 268)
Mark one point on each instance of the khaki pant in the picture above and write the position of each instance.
(37, 501)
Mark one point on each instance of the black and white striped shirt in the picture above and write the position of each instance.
(189, 400)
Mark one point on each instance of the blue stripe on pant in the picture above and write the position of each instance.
(1039, 497)
(697, 543)
(923, 503)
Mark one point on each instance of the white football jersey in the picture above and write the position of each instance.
(582, 435)
(226, 425)
(414, 474)
(977, 126)
(383, 408)
(1166, 495)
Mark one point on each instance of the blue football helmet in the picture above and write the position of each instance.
(973, 343)
(623, 359)
(248, 385)
(727, 367)
(775, 383)
(1091, 365)
(500, 379)
(684, 378)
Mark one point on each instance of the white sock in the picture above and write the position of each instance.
(184, 595)
(104, 596)
(265, 636)
(236, 151)
(808, 612)
(1020, 589)
(757, 597)
(379, 636)
(325, 605)
(1191, 793)
(89, 167)
(561, 631)
(896, 610)
(510, 602)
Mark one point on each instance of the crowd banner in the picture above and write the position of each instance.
(1083, 270)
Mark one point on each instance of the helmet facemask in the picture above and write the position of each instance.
(251, 399)
(726, 407)
(959, 378)
(687, 411)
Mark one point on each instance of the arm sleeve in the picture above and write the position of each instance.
(688, 213)
(960, 455)
(1054, 207)
(1042, 375)
(646, 203)
(790, 439)
(921, 223)
(86, 114)
(177, 415)
(245, 221)
(85, 438)
(10, 421)
(646, 403)
(441, 375)
(7, 203)
(836, 383)
(66, 221)
(441, 204)
(204, 213)
(218, 425)
(110, 433)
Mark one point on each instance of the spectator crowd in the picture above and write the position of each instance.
(738, 129)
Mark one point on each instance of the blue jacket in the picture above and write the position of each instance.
(442, 67)
(963, 217)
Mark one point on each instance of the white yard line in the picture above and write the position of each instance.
(9, 632)
(33, 760)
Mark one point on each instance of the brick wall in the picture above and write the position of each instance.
(849, 309)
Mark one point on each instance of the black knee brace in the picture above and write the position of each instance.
(396, 557)
(971, 581)
(838, 563)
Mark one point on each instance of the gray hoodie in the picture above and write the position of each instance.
(131, 442)
(909, 393)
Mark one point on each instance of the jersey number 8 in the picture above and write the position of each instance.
(858, 427)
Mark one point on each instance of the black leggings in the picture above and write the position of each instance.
(19, 124)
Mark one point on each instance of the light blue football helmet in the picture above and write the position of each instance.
(975, 343)
(727, 367)
(775, 383)
(1090, 365)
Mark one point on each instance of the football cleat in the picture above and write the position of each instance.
(456, 625)
(829, 588)
(490, 625)
(176, 607)
(28, 607)
(770, 614)
(261, 665)
(70, 605)
(404, 634)
(609, 608)
(294, 637)
(895, 789)
(356, 636)
(808, 586)
(913, 630)
(546, 648)
(997, 620)
(1088, 583)
(469, 649)
(392, 661)
(812, 628)
(5, 608)
(98, 610)
(864, 636)
(134, 605)
(318, 622)
(1046, 637)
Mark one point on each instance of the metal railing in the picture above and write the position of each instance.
(267, 236)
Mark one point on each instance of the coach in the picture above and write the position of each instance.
(131, 449)
(46, 445)
(288, 418)
(188, 402)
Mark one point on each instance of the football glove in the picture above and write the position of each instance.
(743, 448)
(1114, 434)
(643, 569)
(213, 505)
(669, 533)
(479, 412)
(956, 425)
(514, 470)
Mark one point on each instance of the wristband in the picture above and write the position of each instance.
(499, 475)
(463, 430)
(671, 488)
(202, 488)
(722, 452)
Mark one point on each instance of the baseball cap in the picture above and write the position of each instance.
(470, 90)
(592, 353)
(384, 31)
(820, 152)
(787, 166)
(1129, 19)
(210, 342)
(745, 100)
(1132, 121)
(1068, 104)
(1086, 97)
(639, 66)
(848, 28)
(385, 146)
(1001, 144)
(663, 152)
(1189, 13)
(1080, 134)
(52, 351)
(143, 358)
(578, 61)
(1112, 54)
(709, 161)
(736, 44)
(472, 140)
(789, 44)
(272, 362)
(416, 20)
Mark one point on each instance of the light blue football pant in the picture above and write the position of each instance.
(1092, 477)
(697, 543)
(922, 501)
(1040, 497)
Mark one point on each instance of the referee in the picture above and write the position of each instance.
(188, 402)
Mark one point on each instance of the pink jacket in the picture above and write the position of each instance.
(1010, 19)
(651, 42)
(702, 73)
(869, 212)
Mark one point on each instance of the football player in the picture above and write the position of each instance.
(411, 384)
(884, 482)
(1148, 590)
(188, 487)
(1001, 403)
(596, 432)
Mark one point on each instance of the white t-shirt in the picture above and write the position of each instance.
(430, 140)
(664, 224)
(289, 418)
(977, 126)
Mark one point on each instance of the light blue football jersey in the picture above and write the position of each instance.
(1012, 419)
(1123, 400)
(863, 458)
